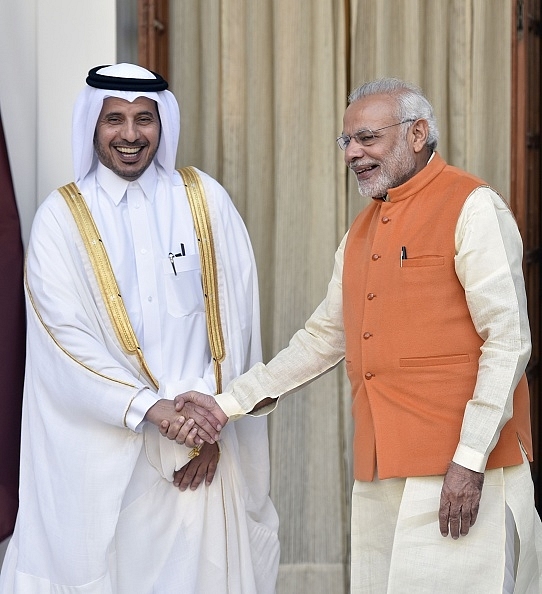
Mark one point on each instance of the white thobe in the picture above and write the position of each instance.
(98, 511)
(165, 304)
(488, 264)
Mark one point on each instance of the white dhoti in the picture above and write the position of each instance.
(397, 546)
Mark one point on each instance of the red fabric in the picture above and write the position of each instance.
(12, 344)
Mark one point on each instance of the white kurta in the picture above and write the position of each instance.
(396, 541)
(98, 511)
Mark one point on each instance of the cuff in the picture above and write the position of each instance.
(470, 458)
(137, 409)
(232, 409)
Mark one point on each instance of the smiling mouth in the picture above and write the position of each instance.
(361, 170)
(129, 150)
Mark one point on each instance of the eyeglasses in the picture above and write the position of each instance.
(365, 137)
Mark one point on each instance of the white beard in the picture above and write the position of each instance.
(395, 169)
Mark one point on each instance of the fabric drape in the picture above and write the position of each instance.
(262, 86)
(262, 89)
(458, 52)
(12, 343)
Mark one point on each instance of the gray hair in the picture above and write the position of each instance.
(411, 102)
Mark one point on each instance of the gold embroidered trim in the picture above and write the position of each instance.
(67, 353)
(226, 524)
(124, 419)
(200, 213)
(104, 275)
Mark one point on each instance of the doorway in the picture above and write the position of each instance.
(526, 191)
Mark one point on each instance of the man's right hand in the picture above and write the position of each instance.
(188, 428)
(172, 420)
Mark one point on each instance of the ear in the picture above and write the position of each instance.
(418, 134)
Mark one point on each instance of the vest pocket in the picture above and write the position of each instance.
(423, 261)
(430, 361)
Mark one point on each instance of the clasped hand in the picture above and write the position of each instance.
(191, 418)
(195, 420)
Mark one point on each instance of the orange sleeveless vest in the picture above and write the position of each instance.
(411, 348)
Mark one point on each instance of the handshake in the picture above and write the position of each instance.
(191, 418)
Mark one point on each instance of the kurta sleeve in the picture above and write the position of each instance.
(312, 351)
(488, 264)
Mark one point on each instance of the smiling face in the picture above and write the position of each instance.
(395, 154)
(127, 135)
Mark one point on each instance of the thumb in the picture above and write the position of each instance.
(179, 402)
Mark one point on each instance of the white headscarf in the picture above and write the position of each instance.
(89, 104)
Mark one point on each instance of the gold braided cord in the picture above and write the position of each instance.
(104, 275)
(53, 338)
(200, 213)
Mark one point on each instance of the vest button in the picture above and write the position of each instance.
(367, 335)
(369, 375)
(385, 220)
(375, 256)
(371, 296)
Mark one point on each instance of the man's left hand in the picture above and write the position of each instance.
(199, 468)
(459, 500)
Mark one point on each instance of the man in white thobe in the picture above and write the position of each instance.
(108, 505)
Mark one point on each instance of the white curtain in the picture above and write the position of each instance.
(459, 52)
(262, 86)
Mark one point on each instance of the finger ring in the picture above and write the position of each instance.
(194, 453)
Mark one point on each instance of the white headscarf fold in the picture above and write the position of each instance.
(87, 109)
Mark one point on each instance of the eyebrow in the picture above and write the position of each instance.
(358, 131)
(139, 113)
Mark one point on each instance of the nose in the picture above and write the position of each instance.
(353, 151)
(130, 131)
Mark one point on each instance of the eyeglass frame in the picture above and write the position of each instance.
(341, 139)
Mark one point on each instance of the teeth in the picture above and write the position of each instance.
(128, 150)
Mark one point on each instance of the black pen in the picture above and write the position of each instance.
(171, 257)
(403, 255)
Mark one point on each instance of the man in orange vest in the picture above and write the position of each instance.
(427, 305)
